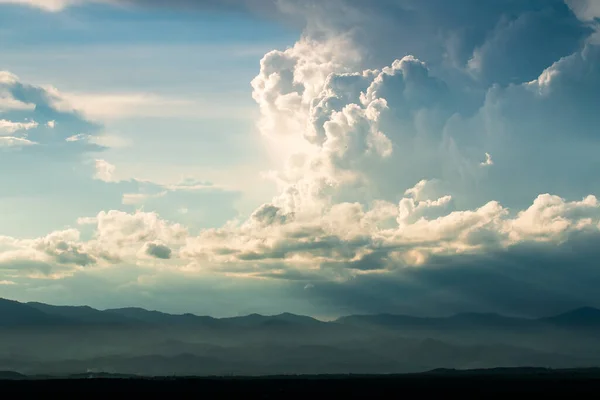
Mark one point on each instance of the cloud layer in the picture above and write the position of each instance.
(427, 160)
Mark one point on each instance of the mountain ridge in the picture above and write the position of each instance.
(41, 338)
(17, 313)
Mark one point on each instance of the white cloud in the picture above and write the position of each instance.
(51, 124)
(8, 103)
(110, 141)
(105, 171)
(347, 235)
(114, 106)
(77, 138)
(7, 99)
(122, 235)
(140, 198)
(10, 127)
(104, 140)
(488, 160)
(53, 5)
(586, 10)
(551, 218)
(416, 190)
(10, 141)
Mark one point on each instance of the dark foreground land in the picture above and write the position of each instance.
(556, 383)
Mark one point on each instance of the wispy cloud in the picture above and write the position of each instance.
(114, 106)
(488, 160)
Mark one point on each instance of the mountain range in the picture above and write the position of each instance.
(37, 338)
(16, 314)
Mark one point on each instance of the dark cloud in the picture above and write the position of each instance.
(542, 135)
(158, 250)
(268, 214)
(529, 279)
(513, 40)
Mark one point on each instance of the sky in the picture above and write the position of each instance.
(322, 158)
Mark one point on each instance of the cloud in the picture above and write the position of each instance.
(377, 118)
(10, 127)
(114, 106)
(76, 138)
(56, 255)
(40, 105)
(104, 171)
(53, 5)
(527, 279)
(228, 5)
(140, 198)
(586, 10)
(14, 142)
(124, 234)
(488, 160)
(158, 250)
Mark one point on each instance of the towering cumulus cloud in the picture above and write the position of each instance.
(433, 156)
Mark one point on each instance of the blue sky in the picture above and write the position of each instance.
(154, 80)
(319, 158)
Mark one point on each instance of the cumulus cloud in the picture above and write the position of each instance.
(587, 10)
(377, 119)
(525, 279)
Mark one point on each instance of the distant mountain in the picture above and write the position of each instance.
(280, 320)
(459, 321)
(490, 320)
(385, 320)
(271, 359)
(160, 318)
(82, 314)
(144, 342)
(15, 314)
(11, 375)
(585, 317)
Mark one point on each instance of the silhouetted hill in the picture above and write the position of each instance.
(488, 319)
(11, 375)
(385, 320)
(585, 317)
(280, 320)
(82, 314)
(15, 314)
(494, 383)
(458, 321)
(160, 318)
(142, 342)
